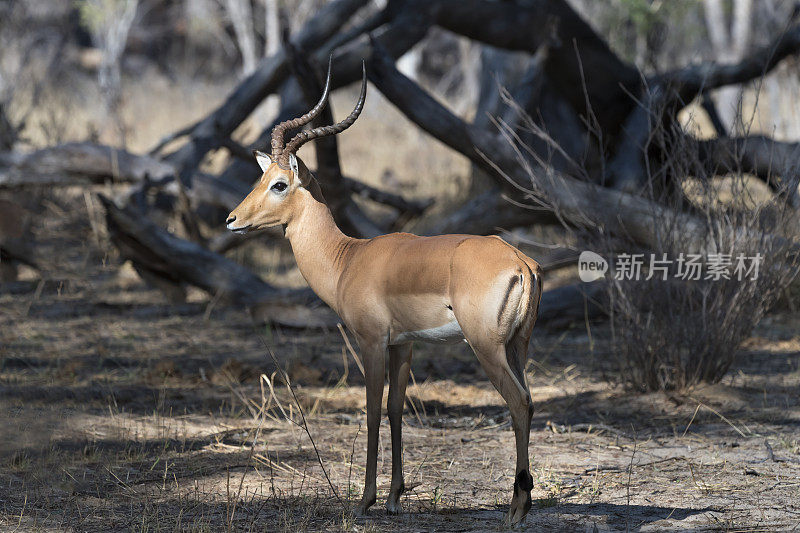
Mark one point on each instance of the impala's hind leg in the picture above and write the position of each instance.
(517, 357)
(399, 370)
(503, 364)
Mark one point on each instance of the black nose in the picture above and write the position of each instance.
(230, 219)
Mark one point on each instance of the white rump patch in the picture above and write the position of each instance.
(446, 334)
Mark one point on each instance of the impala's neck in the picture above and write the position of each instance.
(320, 248)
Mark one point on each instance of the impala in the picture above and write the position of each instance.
(399, 288)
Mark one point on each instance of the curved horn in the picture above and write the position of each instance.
(304, 136)
(279, 131)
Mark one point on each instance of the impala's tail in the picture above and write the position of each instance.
(536, 296)
(527, 308)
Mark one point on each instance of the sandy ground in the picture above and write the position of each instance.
(121, 412)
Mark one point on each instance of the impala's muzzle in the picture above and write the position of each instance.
(229, 222)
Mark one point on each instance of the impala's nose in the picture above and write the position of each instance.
(231, 218)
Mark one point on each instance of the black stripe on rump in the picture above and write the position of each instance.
(511, 284)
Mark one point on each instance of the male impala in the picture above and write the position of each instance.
(398, 288)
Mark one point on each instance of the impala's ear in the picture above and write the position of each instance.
(263, 159)
(299, 170)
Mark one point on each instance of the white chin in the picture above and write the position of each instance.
(240, 231)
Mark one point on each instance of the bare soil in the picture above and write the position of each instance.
(119, 411)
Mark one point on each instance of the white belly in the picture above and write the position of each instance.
(448, 333)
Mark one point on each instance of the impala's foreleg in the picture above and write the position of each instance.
(374, 353)
(399, 370)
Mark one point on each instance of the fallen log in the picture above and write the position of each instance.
(177, 261)
(158, 251)
(571, 304)
(84, 164)
(776, 163)
(79, 164)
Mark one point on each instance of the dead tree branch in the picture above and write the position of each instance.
(713, 115)
(403, 205)
(579, 202)
(162, 255)
(79, 164)
(776, 163)
(585, 70)
(175, 135)
(398, 36)
(694, 79)
(488, 213)
(754, 154)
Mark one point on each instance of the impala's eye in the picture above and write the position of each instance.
(279, 186)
